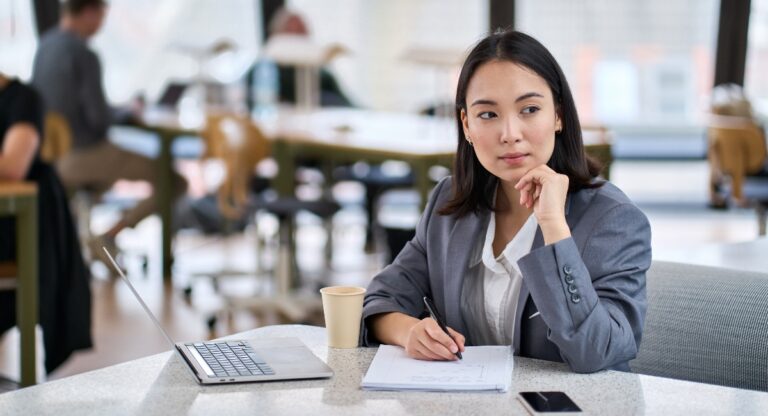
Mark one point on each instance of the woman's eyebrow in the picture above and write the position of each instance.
(482, 101)
(528, 95)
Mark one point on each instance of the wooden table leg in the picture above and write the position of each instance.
(285, 180)
(164, 195)
(422, 182)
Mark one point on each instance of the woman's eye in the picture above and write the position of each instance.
(487, 115)
(530, 110)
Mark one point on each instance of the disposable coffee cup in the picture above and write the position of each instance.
(343, 309)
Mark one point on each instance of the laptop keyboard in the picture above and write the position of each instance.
(232, 359)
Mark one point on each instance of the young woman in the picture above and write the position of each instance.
(524, 245)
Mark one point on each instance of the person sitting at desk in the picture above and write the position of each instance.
(524, 245)
(68, 75)
(65, 297)
(287, 22)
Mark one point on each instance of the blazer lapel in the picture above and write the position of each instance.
(460, 242)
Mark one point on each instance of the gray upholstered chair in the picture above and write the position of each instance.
(706, 324)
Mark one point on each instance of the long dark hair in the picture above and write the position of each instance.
(77, 6)
(473, 185)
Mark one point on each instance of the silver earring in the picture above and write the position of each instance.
(469, 140)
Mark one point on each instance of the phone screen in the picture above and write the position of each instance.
(549, 401)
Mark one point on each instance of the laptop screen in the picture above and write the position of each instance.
(141, 301)
(172, 94)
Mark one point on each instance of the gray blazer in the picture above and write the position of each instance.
(589, 288)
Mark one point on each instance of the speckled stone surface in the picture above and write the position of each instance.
(161, 385)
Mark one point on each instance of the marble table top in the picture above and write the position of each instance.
(160, 385)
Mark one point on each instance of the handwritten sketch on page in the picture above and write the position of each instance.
(483, 368)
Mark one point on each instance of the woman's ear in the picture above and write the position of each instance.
(558, 122)
(465, 122)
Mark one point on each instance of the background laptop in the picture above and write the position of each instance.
(171, 95)
(239, 361)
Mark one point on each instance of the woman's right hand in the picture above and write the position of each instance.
(426, 341)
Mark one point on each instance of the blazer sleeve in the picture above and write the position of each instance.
(401, 286)
(595, 315)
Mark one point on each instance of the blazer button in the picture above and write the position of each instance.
(567, 269)
(568, 279)
(575, 298)
(572, 289)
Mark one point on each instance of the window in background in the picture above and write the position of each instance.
(644, 63)
(18, 38)
(755, 80)
(146, 43)
(379, 34)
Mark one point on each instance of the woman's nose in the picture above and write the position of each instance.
(511, 131)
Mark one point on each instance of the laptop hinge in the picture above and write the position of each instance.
(200, 361)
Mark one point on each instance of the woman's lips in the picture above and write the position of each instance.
(514, 158)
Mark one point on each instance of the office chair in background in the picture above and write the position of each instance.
(241, 146)
(57, 143)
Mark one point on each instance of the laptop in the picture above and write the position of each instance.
(240, 361)
(171, 95)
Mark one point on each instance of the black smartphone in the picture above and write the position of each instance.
(548, 402)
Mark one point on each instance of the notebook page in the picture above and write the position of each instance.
(483, 368)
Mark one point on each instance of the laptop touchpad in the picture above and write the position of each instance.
(293, 358)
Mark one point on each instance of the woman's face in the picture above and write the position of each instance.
(510, 119)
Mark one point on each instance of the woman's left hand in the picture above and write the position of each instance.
(546, 190)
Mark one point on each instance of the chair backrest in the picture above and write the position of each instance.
(58, 138)
(706, 324)
(8, 273)
(239, 143)
(598, 140)
(740, 145)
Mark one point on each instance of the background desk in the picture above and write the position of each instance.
(160, 385)
(330, 135)
(340, 136)
(19, 200)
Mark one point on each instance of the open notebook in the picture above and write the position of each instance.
(485, 368)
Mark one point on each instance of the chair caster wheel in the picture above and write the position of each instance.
(145, 265)
(187, 291)
(211, 323)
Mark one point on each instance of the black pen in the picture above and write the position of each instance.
(436, 316)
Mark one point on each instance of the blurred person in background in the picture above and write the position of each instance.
(68, 75)
(64, 294)
(286, 22)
